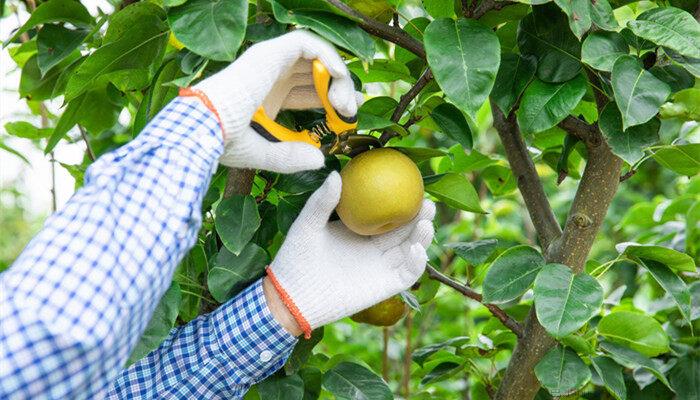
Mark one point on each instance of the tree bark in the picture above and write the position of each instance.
(593, 197)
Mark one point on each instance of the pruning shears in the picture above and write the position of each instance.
(342, 130)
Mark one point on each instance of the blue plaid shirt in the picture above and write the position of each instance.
(75, 302)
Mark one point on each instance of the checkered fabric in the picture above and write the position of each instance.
(75, 302)
(217, 356)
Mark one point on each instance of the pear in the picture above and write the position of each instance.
(385, 313)
(382, 190)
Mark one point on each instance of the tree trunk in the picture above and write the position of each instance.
(593, 197)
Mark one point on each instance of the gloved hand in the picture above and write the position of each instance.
(324, 272)
(275, 74)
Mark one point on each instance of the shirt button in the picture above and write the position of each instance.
(265, 356)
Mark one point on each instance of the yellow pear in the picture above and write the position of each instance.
(385, 313)
(382, 190)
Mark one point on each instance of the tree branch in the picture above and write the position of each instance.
(387, 32)
(509, 322)
(404, 101)
(486, 6)
(238, 182)
(538, 207)
(580, 129)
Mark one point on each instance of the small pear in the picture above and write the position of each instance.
(385, 313)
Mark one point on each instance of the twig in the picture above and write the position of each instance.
(265, 191)
(407, 356)
(387, 32)
(628, 175)
(521, 163)
(501, 315)
(385, 353)
(88, 150)
(404, 102)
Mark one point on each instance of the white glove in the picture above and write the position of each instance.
(324, 272)
(275, 74)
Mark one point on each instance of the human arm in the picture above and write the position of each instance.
(77, 299)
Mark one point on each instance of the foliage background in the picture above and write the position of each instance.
(655, 206)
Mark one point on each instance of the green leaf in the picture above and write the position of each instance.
(452, 123)
(476, 252)
(229, 273)
(55, 43)
(638, 93)
(302, 351)
(690, 64)
(26, 130)
(675, 76)
(683, 159)
(375, 113)
(511, 274)
(213, 29)
(189, 275)
(159, 326)
(669, 27)
(464, 56)
(335, 28)
(456, 191)
(637, 331)
(545, 34)
(439, 8)
(514, 74)
(313, 378)
(601, 49)
(12, 151)
(685, 104)
(441, 372)
(129, 55)
(288, 210)
(237, 219)
(420, 154)
(281, 387)
(602, 15)
(499, 180)
(159, 94)
(381, 71)
(420, 355)
(55, 11)
(20, 54)
(611, 375)
(630, 143)
(350, 381)
(562, 372)
(632, 359)
(671, 258)
(34, 86)
(685, 377)
(93, 109)
(672, 284)
(578, 13)
(565, 302)
(546, 104)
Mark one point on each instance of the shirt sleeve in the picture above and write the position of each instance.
(216, 356)
(77, 299)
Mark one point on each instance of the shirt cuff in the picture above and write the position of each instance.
(248, 334)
